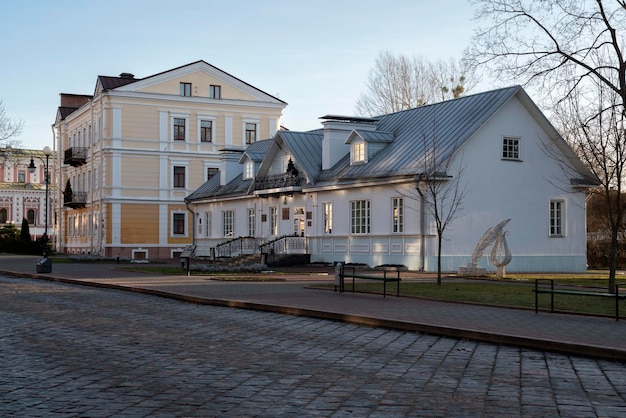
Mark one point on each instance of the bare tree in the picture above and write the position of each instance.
(556, 45)
(439, 187)
(397, 83)
(597, 134)
(9, 129)
(575, 52)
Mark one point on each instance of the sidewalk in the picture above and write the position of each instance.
(570, 334)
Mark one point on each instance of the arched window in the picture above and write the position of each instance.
(30, 216)
(3, 216)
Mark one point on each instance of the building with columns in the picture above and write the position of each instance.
(130, 153)
(23, 193)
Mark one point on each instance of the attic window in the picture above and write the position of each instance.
(510, 148)
(215, 92)
(357, 153)
(185, 89)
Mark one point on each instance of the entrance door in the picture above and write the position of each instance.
(298, 225)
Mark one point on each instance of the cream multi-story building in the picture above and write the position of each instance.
(23, 190)
(131, 153)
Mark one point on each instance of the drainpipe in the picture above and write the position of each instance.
(422, 224)
(193, 222)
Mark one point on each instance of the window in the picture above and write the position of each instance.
(228, 223)
(179, 177)
(251, 222)
(206, 131)
(215, 92)
(30, 216)
(185, 89)
(250, 133)
(179, 129)
(178, 224)
(510, 148)
(360, 217)
(397, 214)
(211, 172)
(358, 152)
(327, 209)
(273, 220)
(21, 177)
(207, 223)
(556, 218)
(248, 170)
(3, 216)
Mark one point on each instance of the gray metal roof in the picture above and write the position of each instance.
(410, 135)
(211, 188)
(447, 125)
(306, 148)
(257, 150)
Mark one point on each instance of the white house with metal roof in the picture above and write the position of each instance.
(350, 191)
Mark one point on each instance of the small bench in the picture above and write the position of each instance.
(552, 291)
(341, 275)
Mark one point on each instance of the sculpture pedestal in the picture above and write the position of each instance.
(472, 271)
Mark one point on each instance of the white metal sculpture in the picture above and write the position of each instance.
(500, 253)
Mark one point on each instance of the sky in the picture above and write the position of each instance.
(313, 54)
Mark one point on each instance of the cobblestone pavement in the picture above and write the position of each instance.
(77, 351)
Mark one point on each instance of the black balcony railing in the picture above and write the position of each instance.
(75, 200)
(279, 181)
(75, 156)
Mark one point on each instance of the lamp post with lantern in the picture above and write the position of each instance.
(31, 168)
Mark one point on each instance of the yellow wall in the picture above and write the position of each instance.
(140, 224)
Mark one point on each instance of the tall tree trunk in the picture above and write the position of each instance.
(613, 260)
(438, 258)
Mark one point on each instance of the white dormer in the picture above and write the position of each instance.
(364, 145)
(336, 131)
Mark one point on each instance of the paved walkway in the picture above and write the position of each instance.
(569, 334)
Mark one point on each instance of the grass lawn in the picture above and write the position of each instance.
(502, 293)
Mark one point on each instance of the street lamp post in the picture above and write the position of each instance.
(47, 151)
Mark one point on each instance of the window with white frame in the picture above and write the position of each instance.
(327, 209)
(30, 216)
(357, 152)
(179, 129)
(274, 220)
(248, 170)
(250, 132)
(207, 224)
(510, 148)
(211, 172)
(397, 214)
(228, 223)
(360, 216)
(557, 218)
(251, 222)
(178, 224)
(179, 177)
(206, 130)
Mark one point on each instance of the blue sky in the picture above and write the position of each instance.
(313, 54)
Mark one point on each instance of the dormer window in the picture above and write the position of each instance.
(357, 153)
(248, 170)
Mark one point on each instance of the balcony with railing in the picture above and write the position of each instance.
(75, 156)
(75, 200)
(278, 182)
